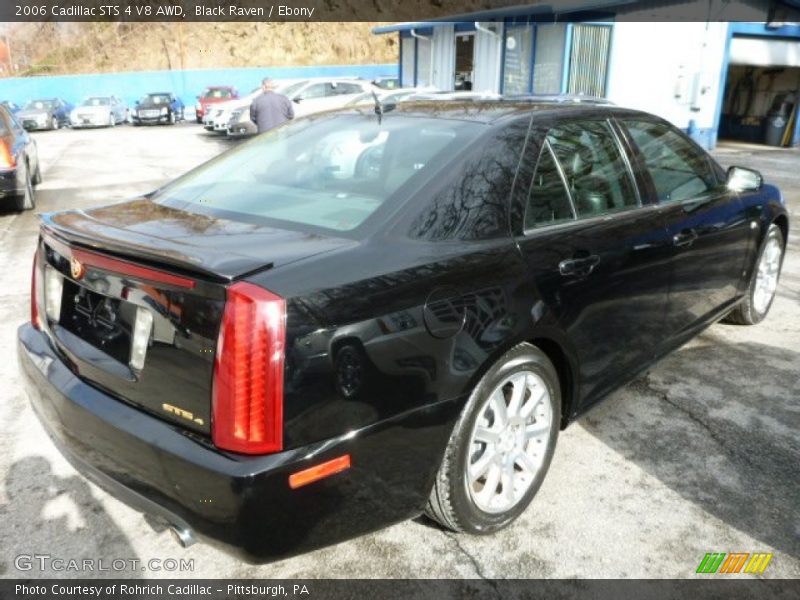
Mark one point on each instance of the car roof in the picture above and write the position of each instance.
(482, 109)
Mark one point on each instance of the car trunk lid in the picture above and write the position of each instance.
(135, 294)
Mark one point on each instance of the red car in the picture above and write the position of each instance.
(213, 94)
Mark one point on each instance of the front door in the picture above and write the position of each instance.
(707, 224)
(597, 255)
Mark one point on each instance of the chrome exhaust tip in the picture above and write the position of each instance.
(182, 535)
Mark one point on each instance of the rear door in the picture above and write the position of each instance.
(596, 252)
(707, 223)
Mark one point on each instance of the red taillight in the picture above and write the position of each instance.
(247, 408)
(7, 160)
(34, 288)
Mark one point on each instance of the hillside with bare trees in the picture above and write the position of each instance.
(64, 48)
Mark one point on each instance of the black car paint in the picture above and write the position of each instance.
(23, 149)
(175, 109)
(387, 336)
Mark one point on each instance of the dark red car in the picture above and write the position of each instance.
(213, 94)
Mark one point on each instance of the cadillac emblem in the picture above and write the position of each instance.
(76, 268)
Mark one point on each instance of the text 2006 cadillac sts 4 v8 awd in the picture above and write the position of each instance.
(356, 318)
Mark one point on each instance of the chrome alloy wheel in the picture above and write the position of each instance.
(508, 443)
(767, 275)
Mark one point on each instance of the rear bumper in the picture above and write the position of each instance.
(9, 184)
(243, 504)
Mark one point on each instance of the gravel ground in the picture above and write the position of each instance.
(701, 454)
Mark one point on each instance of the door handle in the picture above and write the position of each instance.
(684, 238)
(578, 267)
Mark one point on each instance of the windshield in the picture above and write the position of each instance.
(96, 102)
(156, 99)
(332, 172)
(39, 105)
(217, 93)
(289, 90)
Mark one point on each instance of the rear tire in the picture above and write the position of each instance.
(501, 447)
(37, 176)
(763, 281)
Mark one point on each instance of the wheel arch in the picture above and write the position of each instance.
(782, 222)
(566, 374)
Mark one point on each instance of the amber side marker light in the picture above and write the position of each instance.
(320, 471)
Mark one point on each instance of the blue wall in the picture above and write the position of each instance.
(187, 84)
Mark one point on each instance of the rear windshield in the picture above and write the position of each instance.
(217, 93)
(39, 105)
(330, 172)
(157, 98)
(96, 102)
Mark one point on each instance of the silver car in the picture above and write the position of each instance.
(99, 111)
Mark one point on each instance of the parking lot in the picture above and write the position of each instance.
(701, 454)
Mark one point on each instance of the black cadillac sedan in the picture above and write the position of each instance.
(360, 317)
(158, 108)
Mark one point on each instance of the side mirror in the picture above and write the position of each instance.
(297, 99)
(136, 103)
(741, 179)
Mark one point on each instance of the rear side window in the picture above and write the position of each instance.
(474, 205)
(679, 170)
(597, 176)
(548, 199)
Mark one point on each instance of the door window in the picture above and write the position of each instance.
(341, 89)
(597, 175)
(548, 199)
(679, 170)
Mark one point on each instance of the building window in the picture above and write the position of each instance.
(407, 65)
(549, 65)
(517, 63)
(588, 62)
(424, 61)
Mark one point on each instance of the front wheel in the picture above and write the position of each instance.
(763, 282)
(54, 123)
(171, 118)
(502, 445)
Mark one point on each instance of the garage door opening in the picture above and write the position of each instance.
(762, 93)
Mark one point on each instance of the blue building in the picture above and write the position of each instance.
(729, 70)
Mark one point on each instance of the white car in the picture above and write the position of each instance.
(99, 111)
(219, 116)
(438, 95)
(237, 115)
(309, 96)
(326, 94)
(385, 96)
